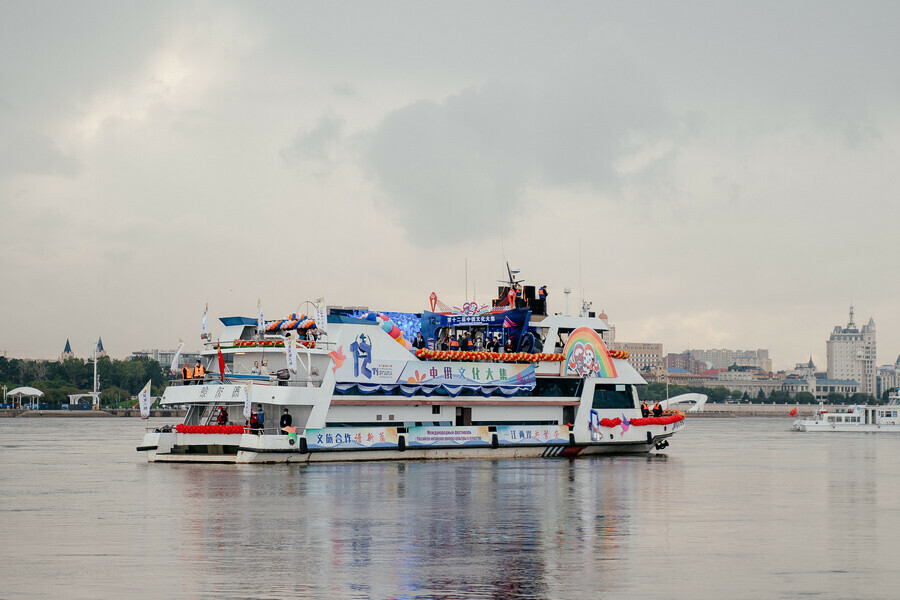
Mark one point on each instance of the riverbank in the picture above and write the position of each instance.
(87, 414)
(758, 410)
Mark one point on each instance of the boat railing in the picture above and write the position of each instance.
(233, 378)
(270, 345)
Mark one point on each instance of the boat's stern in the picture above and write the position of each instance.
(157, 440)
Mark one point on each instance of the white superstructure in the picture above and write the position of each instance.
(360, 393)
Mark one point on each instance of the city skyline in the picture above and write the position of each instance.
(710, 178)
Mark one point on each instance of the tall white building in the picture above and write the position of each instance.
(851, 354)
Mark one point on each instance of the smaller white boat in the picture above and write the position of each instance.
(855, 418)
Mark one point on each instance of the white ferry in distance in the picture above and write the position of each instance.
(356, 389)
(882, 418)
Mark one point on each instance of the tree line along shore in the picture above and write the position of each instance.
(120, 380)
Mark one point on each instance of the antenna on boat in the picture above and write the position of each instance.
(580, 278)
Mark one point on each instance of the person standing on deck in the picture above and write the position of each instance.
(261, 417)
(286, 421)
(199, 373)
(187, 374)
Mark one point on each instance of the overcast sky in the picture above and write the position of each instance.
(729, 171)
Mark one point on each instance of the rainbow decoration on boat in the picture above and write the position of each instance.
(586, 355)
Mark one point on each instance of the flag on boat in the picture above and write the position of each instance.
(260, 322)
(221, 363)
(507, 322)
(174, 366)
(321, 315)
(204, 324)
(291, 433)
(248, 410)
(793, 412)
(289, 352)
(145, 401)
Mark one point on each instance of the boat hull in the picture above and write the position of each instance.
(252, 449)
(820, 426)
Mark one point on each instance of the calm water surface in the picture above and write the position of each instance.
(737, 508)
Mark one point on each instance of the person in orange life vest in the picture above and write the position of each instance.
(186, 373)
(645, 411)
(542, 292)
(657, 410)
(199, 373)
(467, 342)
(454, 343)
(222, 417)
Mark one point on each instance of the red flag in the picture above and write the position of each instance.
(221, 363)
(793, 412)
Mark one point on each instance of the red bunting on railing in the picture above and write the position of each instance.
(230, 429)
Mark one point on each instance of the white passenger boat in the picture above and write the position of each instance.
(864, 418)
(355, 389)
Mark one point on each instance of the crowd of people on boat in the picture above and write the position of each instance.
(467, 341)
(257, 421)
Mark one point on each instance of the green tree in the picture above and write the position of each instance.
(805, 398)
(835, 398)
(114, 396)
(860, 398)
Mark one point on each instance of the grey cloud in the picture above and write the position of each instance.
(345, 88)
(24, 150)
(317, 143)
(471, 158)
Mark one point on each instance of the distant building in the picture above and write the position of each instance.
(803, 369)
(687, 362)
(642, 356)
(67, 352)
(164, 357)
(887, 377)
(608, 336)
(820, 388)
(645, 357)
(723, 358)
(851, 354)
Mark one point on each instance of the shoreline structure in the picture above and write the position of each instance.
(709, 411)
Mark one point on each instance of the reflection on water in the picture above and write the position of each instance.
(738, 508)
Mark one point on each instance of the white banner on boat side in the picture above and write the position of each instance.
(321, 315)
(533, 434)
(222, 393)
(351, 438)
(449, 436)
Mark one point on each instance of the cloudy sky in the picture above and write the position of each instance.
(729, 171)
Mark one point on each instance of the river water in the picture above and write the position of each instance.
(736, 508)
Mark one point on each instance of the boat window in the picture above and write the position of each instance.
(556, 387)
(613, 396)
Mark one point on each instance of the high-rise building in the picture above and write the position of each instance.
(67, 352)
(851, 354)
